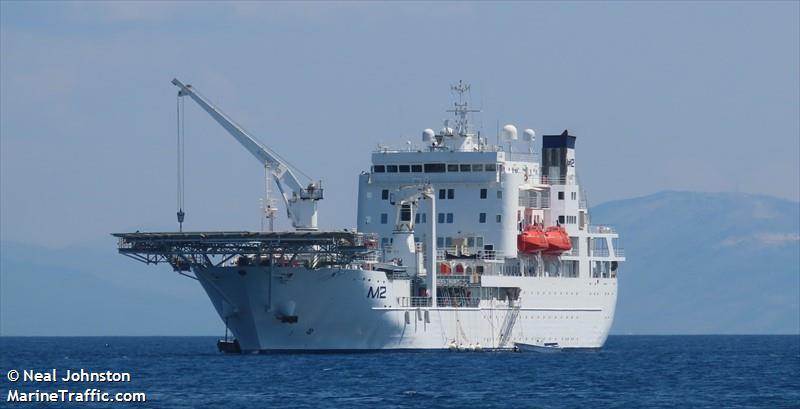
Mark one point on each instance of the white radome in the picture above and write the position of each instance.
(510, 132)
(529, 135)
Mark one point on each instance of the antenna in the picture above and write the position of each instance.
(461, 108)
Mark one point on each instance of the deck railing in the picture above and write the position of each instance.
(601, 229)
(414, 301)
(468, 302)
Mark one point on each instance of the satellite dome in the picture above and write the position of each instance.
(529, 134)
(427, 135)
(510, 132)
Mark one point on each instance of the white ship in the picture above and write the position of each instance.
(461, 244)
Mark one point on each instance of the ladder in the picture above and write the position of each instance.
(508, 325)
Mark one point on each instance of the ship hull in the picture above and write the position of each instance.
(334, 309)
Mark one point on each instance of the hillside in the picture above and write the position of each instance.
(707, 263)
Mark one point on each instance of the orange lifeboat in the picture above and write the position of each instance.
(531, 240)
(557, 240)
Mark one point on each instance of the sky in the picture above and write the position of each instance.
(701, 96)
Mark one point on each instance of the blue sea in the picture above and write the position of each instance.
(629, 372)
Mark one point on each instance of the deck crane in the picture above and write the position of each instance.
(301, 200)
(406, 199)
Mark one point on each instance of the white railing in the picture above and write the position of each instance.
(521, 157)
(486, 255)
(601, 229)
(462, 302)
(414, 301)
(558, 180)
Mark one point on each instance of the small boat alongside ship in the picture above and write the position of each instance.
(546, 347)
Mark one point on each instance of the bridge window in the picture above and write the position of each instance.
(477, 168)
(440, 218)
(420, 218)
(391, 168)
(464, 168)
(482, 218)
(490, 167)
(385, 194)
(499, 194)
(384, 218)
(379, 168)
(434, 167)
(404, 168)
(560, 195)
(483, 193)
(442, 194)
(449, 217)
(416, 168)
(498, 218)
(560, 219)
(452, 168)
(451, 193)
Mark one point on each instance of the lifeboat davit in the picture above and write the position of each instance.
(531, 240)
(557, 240)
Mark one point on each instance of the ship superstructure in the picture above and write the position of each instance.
(461, 244)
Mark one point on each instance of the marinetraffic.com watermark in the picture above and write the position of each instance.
(63, 386)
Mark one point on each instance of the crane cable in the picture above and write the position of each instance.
(181, 156)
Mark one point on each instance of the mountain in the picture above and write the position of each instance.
(706, 263)
(697, 263)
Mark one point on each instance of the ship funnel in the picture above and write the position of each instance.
(558, 158)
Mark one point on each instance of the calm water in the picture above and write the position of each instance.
(631, 371)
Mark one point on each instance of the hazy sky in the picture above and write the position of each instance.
(688, 96)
